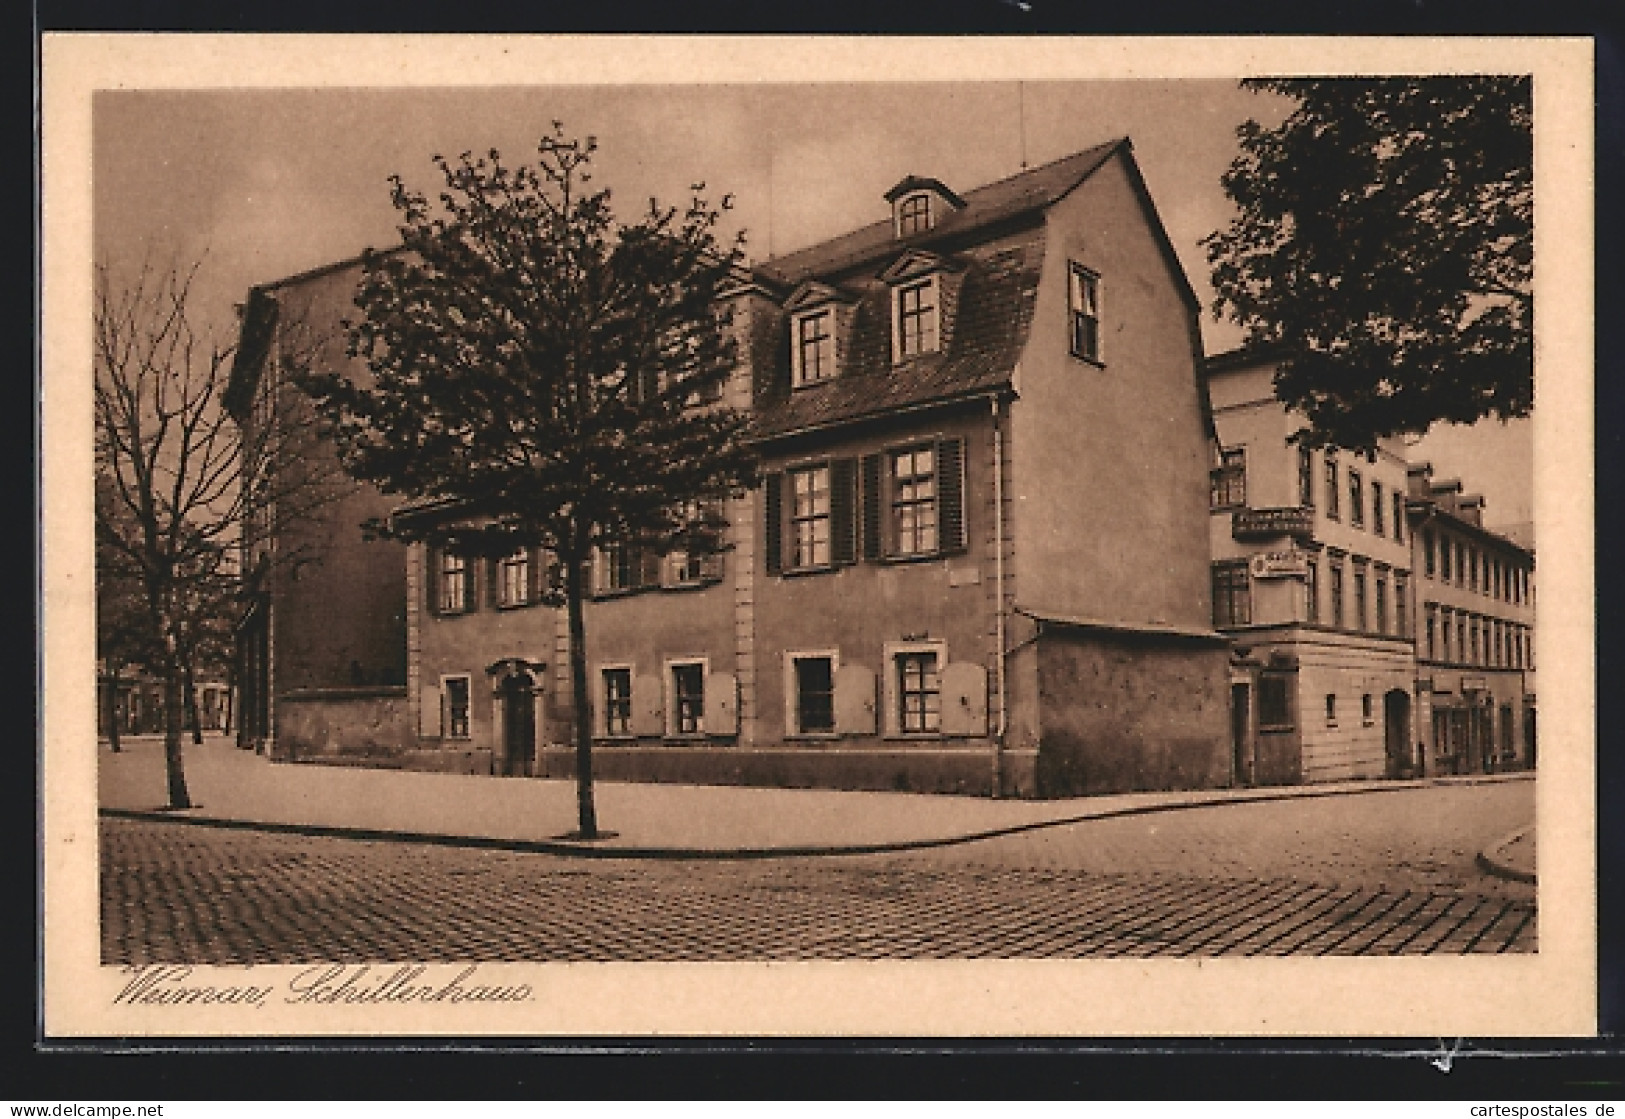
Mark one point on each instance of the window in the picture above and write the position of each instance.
(1472, 632)
(618, 702)
(1461, 637)
(809, 517)
(917, 319)
(1337, 593)
(628, 567)
(1472, 569)
(1381, 604)
(1427, 553)
(1356, 499)
(455, 690)
(919, 693)
(1432, 639)
(688, 698)
(1377, 509)
(815, 694)
(1274, 703)
(1311, 591)
(815, 348)
(456, 585)
(1331, 709)
(914, 501)
(1445, 632)
(1367, 715)
(697, 558)
(1232, 595)
(1444, 558)
(1359, 600)
(914, 214)
(1331, 486)
(1083, 299)
(1402, 614)
(1227, 486)
(1399, 518)
(513, 579)
(1461, 564)
(1306, 478)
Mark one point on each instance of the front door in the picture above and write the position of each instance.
(1241, 739)
(1396, 710)
(518, 724)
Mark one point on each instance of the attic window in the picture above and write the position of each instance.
(917, 331)
(914, 214)
(814, 357)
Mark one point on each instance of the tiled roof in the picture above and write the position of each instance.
(994, 309)
(984, 206)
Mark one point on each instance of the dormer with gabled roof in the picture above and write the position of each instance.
(918, 204)
(925, 290)
(820, 330)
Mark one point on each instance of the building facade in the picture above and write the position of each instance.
(1313, 580)
(963, 572)
(1475, 633)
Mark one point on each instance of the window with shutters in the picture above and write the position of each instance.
(618, 702)
(914, 502)
(627, 567)
(810, 513)
(455, 690)
(687, 712)
(454, 583)
(514, 579)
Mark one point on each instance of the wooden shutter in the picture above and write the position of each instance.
(648, 707)
(773, 500)
(873, 515)
(649, 564)
(951, 494)
(429, 711)
(431, 579)
(964, 699)
(855, 704)
(721, 705)
(843, 510)
(492, 573)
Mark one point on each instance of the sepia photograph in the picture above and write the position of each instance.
(1044, 543)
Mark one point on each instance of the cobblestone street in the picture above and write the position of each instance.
(1127, 887)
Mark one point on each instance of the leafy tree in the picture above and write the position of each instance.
(1384, 244)
(545, 376)
(176, 480)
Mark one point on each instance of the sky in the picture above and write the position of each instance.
(259, 184)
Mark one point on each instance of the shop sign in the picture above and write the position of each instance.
(1474, 684)
(1279, 565)
(1251, 524)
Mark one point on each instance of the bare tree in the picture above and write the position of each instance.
(180, 478)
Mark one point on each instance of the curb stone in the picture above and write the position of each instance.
(1492, 860)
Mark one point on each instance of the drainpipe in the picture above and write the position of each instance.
(998, 584)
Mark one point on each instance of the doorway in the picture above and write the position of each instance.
(518, 695)
(1396, 716)
(1241, 742)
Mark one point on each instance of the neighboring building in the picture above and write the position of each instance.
(977, 560)
(322, 654)
(1475, 633)
(1312, 579)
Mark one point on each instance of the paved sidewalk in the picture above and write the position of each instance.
(238, 787)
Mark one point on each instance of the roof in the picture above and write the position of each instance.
(987, 205)
(995, 307)
(253, 344)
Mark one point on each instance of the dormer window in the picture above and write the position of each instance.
(917, 318)
(815, 347)
(820, 318)
(920, 204)
(914, 214)
(925, 289)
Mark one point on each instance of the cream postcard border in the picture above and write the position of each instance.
(1551, 993)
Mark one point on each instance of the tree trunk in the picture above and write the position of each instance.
(189, 698)
(573, 593)
(178, 797)
(112, 710)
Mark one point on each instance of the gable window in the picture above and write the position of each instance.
(1232, 595)
(1377, 509)
(1356, 499)
(618, 702)
(513, 579)
(914, 214)
(1331, 486)
(688, 698)
(809, 517)
(456, 584)
(814, 694)
(815, 347)
(455, 711)
(1083, 300)
(1306, 478)
(1227, 486)
(914, 501)
(919, 693)
(917, 318)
